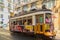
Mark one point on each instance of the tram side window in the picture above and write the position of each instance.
(41, 19)
(29, 21)
(37, 19)
(24, 22)
(48, 18)
(14, 22)
(48, 21)
(20, 22)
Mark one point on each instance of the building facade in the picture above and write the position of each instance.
(3, 12)
(57, 14)
(26, 5)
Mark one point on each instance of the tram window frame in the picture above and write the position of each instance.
(41, 19)
(24, 20)
(20, 22)
(14, 22)
(30, 23)
(38, 18)
(48, 27)
(49, 16)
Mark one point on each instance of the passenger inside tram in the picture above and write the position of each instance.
(48, 23)
(29, 21)
(48, 19)
(25, 23)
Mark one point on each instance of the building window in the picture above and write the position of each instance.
(9, 6)
(1, 22)
(33, 6)
(18, 10)
(49, 3)
(18, 1)
(1, 0)
(1, 15)
(8, 17)
(1, 5)
(25, 8)
(1, 8)
(25, 1)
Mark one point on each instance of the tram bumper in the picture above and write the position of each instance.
(49, 35)
(30, 32)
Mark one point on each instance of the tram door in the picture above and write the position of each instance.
(48, 22)
(39, 22)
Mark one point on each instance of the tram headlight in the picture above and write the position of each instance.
(51, 37)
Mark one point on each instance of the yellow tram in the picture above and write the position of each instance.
(35, 22)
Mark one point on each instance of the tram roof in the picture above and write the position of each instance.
(32, 13)
(34, 10)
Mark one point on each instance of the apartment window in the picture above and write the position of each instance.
(9, 7)
(19, 10)
(49, 3)
(8, 17)
(1, 15)
(18, 1)
(25, 0)
(1, 0)
(25, 8)
(1, 8)
(13, 1)
(1, 3)
(33, 6)
(1, 22)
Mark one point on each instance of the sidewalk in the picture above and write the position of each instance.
(58, 35)
(6, 28)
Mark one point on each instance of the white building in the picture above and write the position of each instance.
(4, 12)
